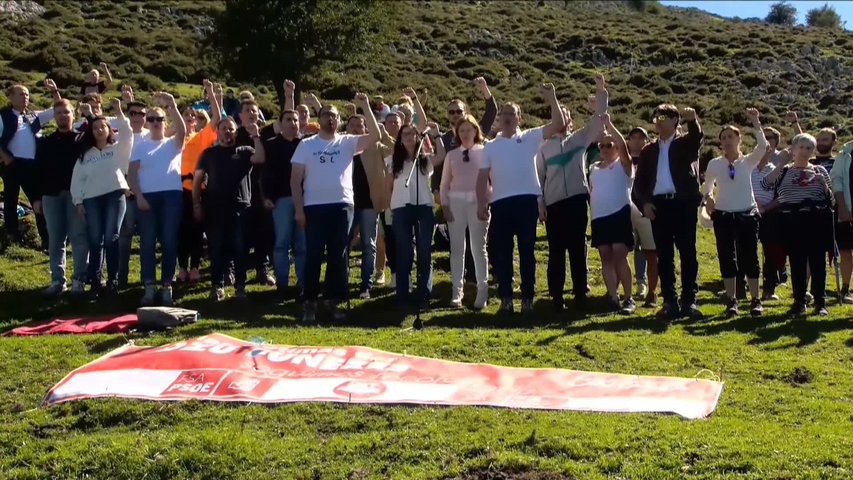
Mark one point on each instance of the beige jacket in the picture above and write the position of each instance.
(373, 159)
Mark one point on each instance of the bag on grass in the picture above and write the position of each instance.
(161, 318)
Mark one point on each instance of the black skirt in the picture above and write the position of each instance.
(614, 228)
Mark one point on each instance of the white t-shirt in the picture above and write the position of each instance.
(159, 164)
(513, 164)
(610, 189)
(663, 180)
(328, 168)
(415, 194)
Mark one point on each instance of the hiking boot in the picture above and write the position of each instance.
(194, 276)
(629, 306)
(77, 287)
(482, 298)
(217, 294)
(166, 296)
(148, 298)
(527, 305)
(54, 289)
(309, 312)
(183, 275)
(731, 308)
(506, 305)
(756, 309)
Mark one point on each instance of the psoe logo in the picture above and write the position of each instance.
(195, 383)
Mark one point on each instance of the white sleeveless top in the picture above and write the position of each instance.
(610, 189)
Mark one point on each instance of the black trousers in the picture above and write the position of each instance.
(566, 232)
(808, 239)
(21, 175)
(674, 227)
(190, 239)
(737, 243)
(260, 236)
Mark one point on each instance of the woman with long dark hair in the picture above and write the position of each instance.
(98, 186)
(412, 213)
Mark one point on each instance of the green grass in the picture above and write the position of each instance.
(768, 423)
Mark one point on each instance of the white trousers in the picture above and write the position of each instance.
(465, 216)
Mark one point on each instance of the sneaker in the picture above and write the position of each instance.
(240, 292)
(338, 314)
(692, 312)
(148, 298)
(769, 295)
(670, 311)
(797, 309)
(54, 289)
(166, 296)
(642, 290)
(846, 298)
(809, 298)
(613, 304)
(364, 295)
(379, 280)
(482, 298)
(527, 305)
(629, 306)
(651, 300)
(456, 298)
(731, 309)
(756, 309)
(77, 287)
(558, 304)
(309, 312)
(218, 294)
(506, 305)
(820, 310)
(195, 276)
(183, 275)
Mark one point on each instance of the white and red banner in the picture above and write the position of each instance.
(219, 367)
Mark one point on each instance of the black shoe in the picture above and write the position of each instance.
(581, 301)
(691, 311)
(798, 309)
(558, 304)
(820, 310)
(731, 309)
(613, 304)
(506, 306)
(756, 309)
(629, 306)
(670, 310)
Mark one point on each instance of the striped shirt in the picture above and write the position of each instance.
(800, 185)
(763, 196)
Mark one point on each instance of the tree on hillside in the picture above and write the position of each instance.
(271, 40)
(782, 13)
(824, 17)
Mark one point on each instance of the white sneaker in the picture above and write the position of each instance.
(642, 289)
(456, 298)
(166, 296)
(148, 297)
(54, 289)
(77, 287)
(379, 280)
(482, 298)
(364, 295)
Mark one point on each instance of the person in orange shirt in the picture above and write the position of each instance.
(190, 239)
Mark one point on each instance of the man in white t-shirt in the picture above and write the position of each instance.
(509, 164)
(321, 184)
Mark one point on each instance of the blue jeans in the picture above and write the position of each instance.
(514, 217)
(415, 221)
(226, 237)
(125, 238)
(103, 217)
(326, 230)
(287, 233)
(63, 222)
(366, 220)
(640, 265)
(160, 222)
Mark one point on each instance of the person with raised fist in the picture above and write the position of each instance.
(734, 211)
(509, 166)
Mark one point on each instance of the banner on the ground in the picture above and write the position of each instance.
(219, 367)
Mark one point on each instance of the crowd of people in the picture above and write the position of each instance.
(266, 196)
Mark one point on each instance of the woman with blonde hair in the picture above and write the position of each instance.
(458, 194)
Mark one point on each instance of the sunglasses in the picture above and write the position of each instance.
(731, 171)
(465, 157)
(661, 118)
(154, 119)
(602, 146)
(457, 111)
(136, 114)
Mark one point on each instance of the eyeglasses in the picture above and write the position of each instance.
(465, 157)
(661, 118)
(455, 111)
(136, 114)
(731, 171)
(154, 119)
(602, 146)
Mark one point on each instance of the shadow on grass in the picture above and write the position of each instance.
(769, 328)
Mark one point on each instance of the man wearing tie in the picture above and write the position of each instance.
(666, 190)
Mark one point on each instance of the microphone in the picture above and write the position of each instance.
(426, 132)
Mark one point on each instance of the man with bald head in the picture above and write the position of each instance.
(19, 128)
